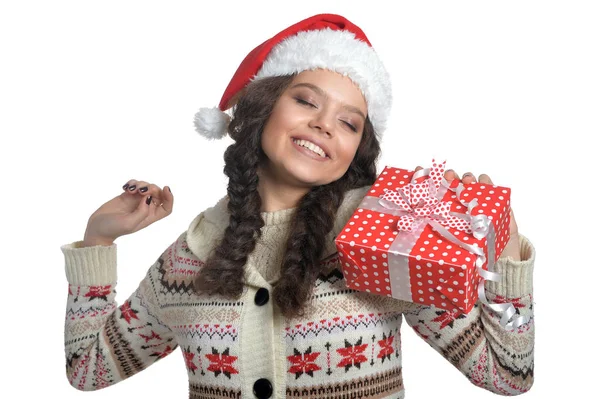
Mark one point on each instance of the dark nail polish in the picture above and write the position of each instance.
(125, 186)
(148, 200)
(132, 188)
(143, 189)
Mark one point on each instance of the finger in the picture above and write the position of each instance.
(483, 178)
(421, 178)
(146, 189)
(468, 178)
(131, 186)
(167, 201)
(142, 187)
(450, 175)
(514, 229)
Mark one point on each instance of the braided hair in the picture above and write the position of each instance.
(223, 272)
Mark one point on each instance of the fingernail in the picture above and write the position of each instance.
(125, 186)
(143, 189)
(132, 188)
(148, 200)
(170, 190)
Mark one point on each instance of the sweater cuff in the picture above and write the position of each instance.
(516, 276)
(95, 265)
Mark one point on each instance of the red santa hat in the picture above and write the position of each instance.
(326, 41)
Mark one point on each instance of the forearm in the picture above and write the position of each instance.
(476, 343)
(92, 276)
(106, 343)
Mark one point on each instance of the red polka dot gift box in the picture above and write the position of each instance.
(418, 238)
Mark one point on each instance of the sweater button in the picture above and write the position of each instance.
(263, 388)
(261, 297)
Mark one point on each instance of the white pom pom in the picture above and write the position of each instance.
(211, 122)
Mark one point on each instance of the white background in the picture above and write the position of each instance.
(93, 94)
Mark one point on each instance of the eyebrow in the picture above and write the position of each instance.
(321, 92)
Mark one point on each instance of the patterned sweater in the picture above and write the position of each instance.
(347, 345)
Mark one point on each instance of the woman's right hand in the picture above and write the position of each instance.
(140, 205)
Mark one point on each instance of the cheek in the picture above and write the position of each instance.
(277, 127)
(268, 140)
(285, 116)
(274, 139)
(349, 151)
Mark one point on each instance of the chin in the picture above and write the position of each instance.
(313, 179)
(308, 176)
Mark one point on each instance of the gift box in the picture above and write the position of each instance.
(418, 238)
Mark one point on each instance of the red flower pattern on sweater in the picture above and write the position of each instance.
(304, 362)
(222, 363)
(353, 354)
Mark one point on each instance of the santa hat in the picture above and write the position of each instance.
(326, 41)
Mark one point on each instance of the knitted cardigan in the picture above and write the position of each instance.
(347, 345)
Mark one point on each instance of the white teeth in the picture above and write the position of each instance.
(311, 146)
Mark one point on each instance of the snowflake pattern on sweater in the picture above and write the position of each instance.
(347, 345)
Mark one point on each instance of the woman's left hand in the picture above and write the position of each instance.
(513, 248)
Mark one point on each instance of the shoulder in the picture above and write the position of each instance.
(352, 200)
(216, 215)
(207, 228)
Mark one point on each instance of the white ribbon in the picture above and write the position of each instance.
(480, 226)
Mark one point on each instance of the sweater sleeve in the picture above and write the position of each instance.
(105, 342)
(490, 356)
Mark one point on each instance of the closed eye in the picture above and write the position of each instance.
(303, 102)
(351, 126)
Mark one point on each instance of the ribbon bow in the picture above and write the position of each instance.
(416, 202)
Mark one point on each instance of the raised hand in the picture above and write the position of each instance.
(140, 205)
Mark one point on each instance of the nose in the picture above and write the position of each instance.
(323, 121)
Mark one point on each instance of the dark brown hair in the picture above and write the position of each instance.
(223, 272)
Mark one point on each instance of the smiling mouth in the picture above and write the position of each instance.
(311, 146)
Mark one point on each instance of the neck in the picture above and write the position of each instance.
(276, 196)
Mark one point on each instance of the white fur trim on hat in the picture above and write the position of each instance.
(211, 123)
(341, 52)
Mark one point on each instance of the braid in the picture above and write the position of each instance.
(314, 218)
(223, 272)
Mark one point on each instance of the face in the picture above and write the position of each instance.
(314, 130)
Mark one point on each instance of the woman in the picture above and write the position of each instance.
(252, 292)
